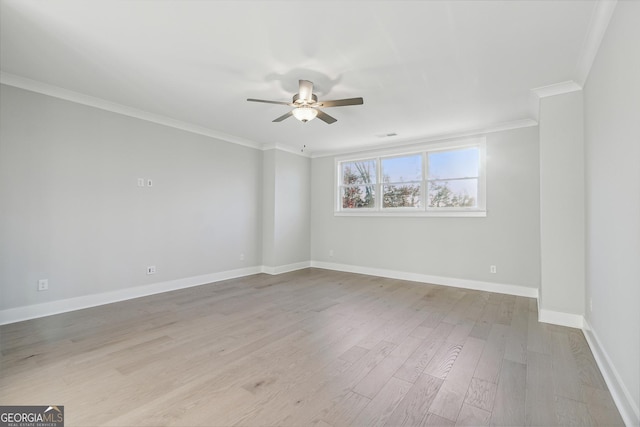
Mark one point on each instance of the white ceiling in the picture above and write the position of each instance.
(424, 68)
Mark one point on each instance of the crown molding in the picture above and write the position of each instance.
(515, 124)
(287, 148)
(91, 101)
(600, 17)
(556, 89)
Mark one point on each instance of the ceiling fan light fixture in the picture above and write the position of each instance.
(304, 113)
(306, 106)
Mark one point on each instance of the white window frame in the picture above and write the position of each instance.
(424, 210)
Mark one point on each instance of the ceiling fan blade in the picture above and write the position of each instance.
(284, 116)
(325, 117)
(269, 102)
(342, 102)
(306, 90)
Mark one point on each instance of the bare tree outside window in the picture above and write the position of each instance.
(402, 181)
(441, 196)
(453, 178)
(440, 180)
(358, 189)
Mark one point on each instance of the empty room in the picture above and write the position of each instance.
(319, 213)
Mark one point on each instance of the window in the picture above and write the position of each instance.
(402, 181)
(453, 178)
(358, 184)
(439, 180)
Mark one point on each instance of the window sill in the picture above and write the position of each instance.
(441, 214)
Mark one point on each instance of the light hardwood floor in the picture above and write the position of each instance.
(312, 347)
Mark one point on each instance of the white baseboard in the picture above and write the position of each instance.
(627, 407)
(19, 314)
(35, 311)
(622, 397)
(560, 318)
(500, 288)
(285, 268)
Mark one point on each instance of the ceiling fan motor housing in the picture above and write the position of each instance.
(300, 101)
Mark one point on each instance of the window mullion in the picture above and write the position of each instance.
(455, 179)
(379, 183)
(425, 179)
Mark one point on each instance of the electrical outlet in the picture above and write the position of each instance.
(149, 183)
(140, 182)
(43, 285)
(151, 269)
(493, 269)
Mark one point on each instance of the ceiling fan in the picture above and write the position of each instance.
(307, 106)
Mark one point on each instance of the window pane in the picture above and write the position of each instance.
(361, 196)
(453, 194)
(397, 196)
(454, 164)
(362, 172)
(402, 169)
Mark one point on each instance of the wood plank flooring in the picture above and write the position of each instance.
(308, 348)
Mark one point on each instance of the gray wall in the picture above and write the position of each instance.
(286, 202)
(461, 248)
(562, 203)
(269, 207)
(612, 136)
(71, 211)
